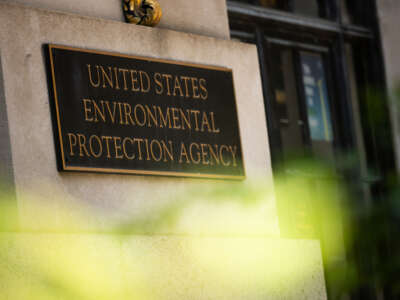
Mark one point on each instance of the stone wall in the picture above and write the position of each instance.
(388, 18)
(206, 17)
(112, 197)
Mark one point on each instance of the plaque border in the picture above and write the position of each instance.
(59, 139)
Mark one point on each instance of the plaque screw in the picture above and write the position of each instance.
(142, 12)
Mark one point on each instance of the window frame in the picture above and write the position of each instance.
(255, 24)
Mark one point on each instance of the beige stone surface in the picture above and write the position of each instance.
(206, 17)
(227, 268)
(388, 13)
(6, 168)
(159, 267)
(104, 201)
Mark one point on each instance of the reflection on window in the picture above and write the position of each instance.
(316, 92)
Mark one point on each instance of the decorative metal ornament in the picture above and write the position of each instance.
(142, 12)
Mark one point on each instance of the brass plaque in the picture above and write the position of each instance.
(115, 113)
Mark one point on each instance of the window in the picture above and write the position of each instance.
(301, 102)
(318, 59)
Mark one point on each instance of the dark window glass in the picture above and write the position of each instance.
(306, 7)
(287, 111)
(355, 12)
(313, 8)
(273, 4)
(346, 16)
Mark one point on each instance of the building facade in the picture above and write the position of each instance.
(314, 81)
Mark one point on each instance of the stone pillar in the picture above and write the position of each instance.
(389, 21)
